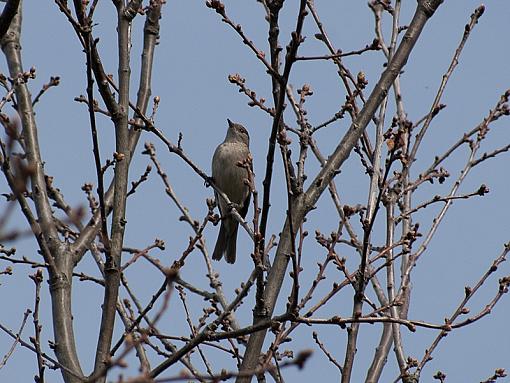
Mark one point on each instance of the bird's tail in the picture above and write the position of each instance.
(226, 244)
(230, 255)
(221, 243)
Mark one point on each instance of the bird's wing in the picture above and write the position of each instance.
(245, 206)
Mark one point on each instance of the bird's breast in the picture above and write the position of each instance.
(227, 175)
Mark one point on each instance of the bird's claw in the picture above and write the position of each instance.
(208, 181)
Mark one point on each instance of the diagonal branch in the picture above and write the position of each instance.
(8, 13)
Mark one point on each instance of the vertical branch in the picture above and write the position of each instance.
(404, 133)
(379, 360)
(151, 35)
(405, 130)
(11, 47)
(95, 142)
(38, 278)
(53, 250)
(274, 49)
(260, 312)
(273, 8)
(256, 340)
(390, 281)
(113, 258)
(375, 197)
(410, 152)
(150, 39)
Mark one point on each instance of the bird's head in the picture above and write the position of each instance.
(237, 132)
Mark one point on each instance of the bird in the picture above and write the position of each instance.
(231, 180)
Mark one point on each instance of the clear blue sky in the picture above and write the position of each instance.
(195, 55)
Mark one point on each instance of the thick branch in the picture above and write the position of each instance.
(113, 256)
(10, 10)
(52, 248)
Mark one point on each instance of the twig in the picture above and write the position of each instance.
(38, 278)
(330, 357)
(17, 338)
(455, 60)
(298, 361)
(55, 363)
(54, 81)
(219, 7)
(469, 293)
(374, 46)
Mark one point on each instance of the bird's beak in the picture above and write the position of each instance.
(229, 123)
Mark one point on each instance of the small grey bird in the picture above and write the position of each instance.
(230, 178)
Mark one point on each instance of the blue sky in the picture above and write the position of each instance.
(195, 55)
